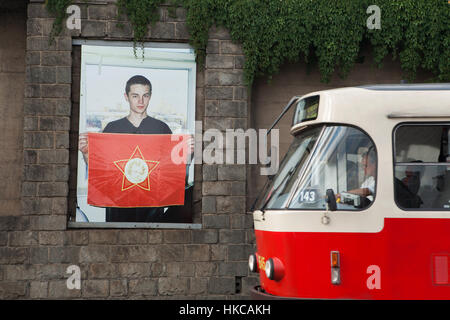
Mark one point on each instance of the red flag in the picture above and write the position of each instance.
(136, 170)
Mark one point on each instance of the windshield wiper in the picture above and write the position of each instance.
(286, 109)
(262, 192)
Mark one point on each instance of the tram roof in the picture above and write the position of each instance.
(382, 101)
(407, 87)
(393, 88)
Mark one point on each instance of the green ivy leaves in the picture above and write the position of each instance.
(415, 31)
(141, 13)
(331, 32)
(58, 9)
(273, 32)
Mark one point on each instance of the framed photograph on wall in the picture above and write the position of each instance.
(134, 113)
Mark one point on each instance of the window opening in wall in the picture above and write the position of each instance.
(136, 126)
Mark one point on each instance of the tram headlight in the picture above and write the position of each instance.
(335, 276)
(269, 269)
(274, 269)
(252, 263)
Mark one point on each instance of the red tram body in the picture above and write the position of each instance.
(313, 243)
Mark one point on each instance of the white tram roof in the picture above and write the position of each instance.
(369, 105)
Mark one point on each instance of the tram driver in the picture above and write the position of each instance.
(367, 189)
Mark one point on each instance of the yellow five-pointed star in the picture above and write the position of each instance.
(136, 170)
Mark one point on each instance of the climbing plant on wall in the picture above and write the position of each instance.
(141, 13)
(58, 9)
(273, 32)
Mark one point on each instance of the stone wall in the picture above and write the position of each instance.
(37, 246)
(12, 77)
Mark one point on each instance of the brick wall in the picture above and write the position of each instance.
(37, 246)
(12, 76)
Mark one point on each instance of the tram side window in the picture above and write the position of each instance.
(422, 166)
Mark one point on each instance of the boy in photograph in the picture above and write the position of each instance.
(138, 91)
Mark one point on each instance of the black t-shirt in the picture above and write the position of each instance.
(148, 125)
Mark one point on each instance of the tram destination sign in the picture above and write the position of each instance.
(306, 110)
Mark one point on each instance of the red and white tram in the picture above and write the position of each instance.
(360, 206)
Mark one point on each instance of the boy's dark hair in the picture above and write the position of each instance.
(137, 80)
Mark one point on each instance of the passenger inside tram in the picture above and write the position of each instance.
(406, 189)
(422, 184)
(443, 186)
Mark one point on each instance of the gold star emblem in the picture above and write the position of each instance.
(136, 170)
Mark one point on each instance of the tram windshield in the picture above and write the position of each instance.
(341, 158)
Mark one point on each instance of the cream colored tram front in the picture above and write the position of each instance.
(404, 131)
